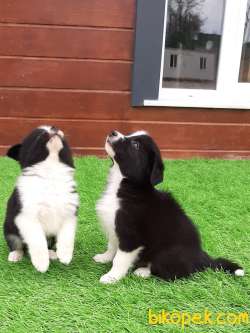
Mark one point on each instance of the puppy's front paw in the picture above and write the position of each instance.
(64, 256)
(15, 256)
(103, 258)
(108, 279)
(41, 263)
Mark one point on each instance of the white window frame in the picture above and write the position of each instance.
(229, 93)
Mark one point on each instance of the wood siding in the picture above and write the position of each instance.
(68, 63)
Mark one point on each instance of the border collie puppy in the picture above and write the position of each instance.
(144, 226)
(43, 207)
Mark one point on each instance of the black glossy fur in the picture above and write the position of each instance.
(13, 209)
(153, 219)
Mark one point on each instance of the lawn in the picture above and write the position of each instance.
(216, 194)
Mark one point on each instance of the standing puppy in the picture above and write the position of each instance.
(43, 207)
(145, 226)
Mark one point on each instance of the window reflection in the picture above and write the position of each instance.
(192, 46)
(245, 57)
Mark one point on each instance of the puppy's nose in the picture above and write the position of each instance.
(113, 133)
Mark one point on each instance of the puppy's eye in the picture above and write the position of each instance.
(135, 144)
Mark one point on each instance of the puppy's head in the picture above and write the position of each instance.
(42, 143)
(137, 155)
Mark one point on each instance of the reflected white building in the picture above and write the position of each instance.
(189, 65)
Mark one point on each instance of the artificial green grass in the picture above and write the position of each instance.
(216, 194)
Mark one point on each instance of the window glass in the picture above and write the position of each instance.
(245, 56)
(192, 45)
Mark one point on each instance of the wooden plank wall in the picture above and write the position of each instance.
(68, 63)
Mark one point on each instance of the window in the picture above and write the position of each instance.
(194, 31)
(173, 60)
(203, 63)
(198, 53)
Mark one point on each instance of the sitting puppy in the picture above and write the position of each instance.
(145, 226)
(43, 206)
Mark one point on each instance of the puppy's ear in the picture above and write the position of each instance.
(14, 152)
(157, 169)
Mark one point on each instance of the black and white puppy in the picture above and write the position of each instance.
(43, 207)
(144, 226)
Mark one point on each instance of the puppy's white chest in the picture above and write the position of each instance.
(106, 208)
(55, 207)
(49, 197)
(108, 205)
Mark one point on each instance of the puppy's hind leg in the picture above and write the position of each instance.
(16, 247)
(143, 272)
(173, 264)
(34, 237)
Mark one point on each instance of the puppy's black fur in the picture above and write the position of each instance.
(153, 219)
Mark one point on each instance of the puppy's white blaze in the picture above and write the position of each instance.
(54, 145)
(45, 127)
(137, 133)
(239, 272)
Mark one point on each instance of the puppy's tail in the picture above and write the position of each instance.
(227, 266)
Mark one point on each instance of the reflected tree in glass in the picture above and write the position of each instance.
(193, 36)
(183, 23)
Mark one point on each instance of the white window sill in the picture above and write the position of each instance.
(223, 103)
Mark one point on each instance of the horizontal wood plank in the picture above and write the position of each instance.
(82, 74)
(91, 133)
(66, 42)
(215, 154)
(175, 153)
(167, 154)
(37, 103)
(108, 13)
(63, 104)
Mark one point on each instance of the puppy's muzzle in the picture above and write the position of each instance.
(55, 132)
(114, 136)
